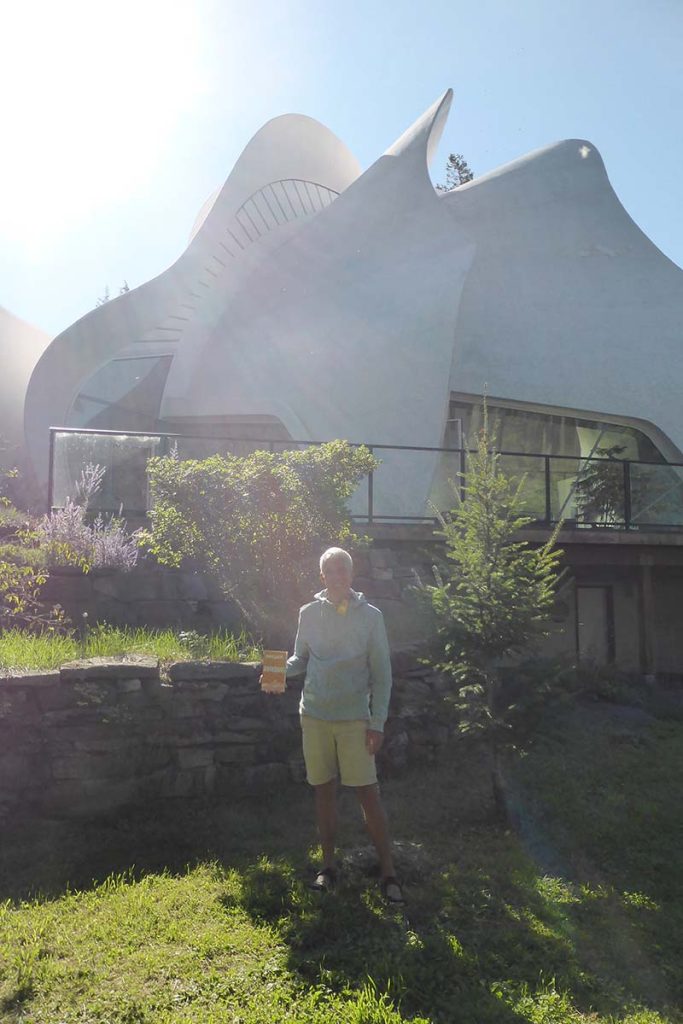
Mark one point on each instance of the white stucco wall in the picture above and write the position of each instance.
(567, 302)
(21, 345)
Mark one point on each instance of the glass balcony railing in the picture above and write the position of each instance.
(582, 493)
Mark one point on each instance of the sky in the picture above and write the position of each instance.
(119, 120)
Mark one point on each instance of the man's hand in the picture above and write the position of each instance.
(373, 740)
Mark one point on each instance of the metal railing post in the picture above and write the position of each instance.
(51, 470)
(548, 497)
(371, 484)
(627, 494)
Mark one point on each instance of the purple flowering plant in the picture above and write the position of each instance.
(68, 538)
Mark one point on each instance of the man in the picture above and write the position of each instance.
(341, 646)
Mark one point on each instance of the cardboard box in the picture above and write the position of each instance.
(274, 671)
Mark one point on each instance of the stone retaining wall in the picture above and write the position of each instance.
(155, 596)
(149, 595)
(96, 736)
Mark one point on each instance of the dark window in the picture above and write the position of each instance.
(125, 394)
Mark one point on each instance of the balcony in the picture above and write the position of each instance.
(594, 496)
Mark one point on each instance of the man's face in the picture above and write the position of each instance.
(337, 576)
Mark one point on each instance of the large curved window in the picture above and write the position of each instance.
(125, 394)
(526, 430)
(571, 468)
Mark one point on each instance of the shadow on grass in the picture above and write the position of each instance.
(45, 857)
(486, 939)
(339, 941)
(48, 857)
(487, 926)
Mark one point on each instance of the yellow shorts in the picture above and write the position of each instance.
(332, 748)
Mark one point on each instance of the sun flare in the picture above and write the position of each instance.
(93, 94)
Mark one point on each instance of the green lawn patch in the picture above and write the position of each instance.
(200, 913)
(23, 650)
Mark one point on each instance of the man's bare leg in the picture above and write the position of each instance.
(326, 816)
(377, 826)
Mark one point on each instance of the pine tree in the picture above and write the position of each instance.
(457, 173)
(600, 487)
(495, 599)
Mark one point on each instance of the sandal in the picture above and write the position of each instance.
(390, 887)
(324, 881)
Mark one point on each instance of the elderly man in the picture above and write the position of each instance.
(341, 646)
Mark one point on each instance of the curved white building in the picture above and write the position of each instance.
(316, 302)
(21, 345)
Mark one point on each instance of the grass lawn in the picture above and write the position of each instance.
(20, 649)
(202, 915)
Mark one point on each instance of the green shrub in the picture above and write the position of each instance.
(257, 523)
(23, 554)
(22, 576)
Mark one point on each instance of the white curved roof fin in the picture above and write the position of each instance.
(425, 133)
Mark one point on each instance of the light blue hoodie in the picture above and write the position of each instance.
(346, 661)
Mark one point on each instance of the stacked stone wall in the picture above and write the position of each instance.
(149, 595)
(97, 736)
(157, 597)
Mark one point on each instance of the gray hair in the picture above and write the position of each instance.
(335, 553)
